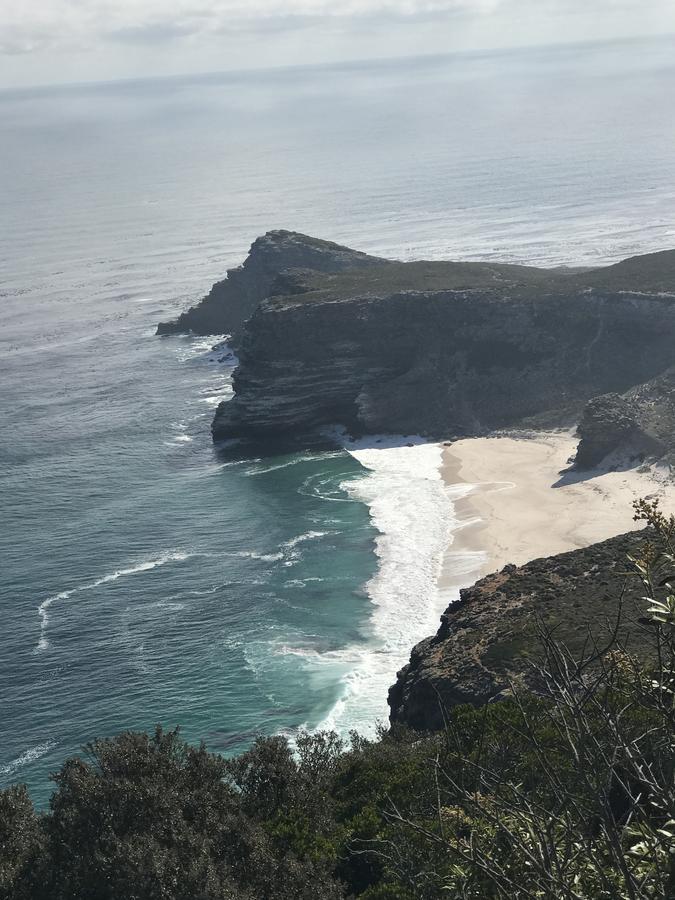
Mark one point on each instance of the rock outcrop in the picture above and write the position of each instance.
(636, 426)
(231, 301)
(444, 349)
(608, 424)
(488, 639)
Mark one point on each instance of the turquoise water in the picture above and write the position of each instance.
(171, 580)
(146, 578)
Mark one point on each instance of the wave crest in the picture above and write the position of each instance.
(146, 566)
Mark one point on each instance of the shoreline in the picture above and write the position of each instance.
(524, 502)
(412, 513)
(449, 514)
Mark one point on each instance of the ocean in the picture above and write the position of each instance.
(146, 576)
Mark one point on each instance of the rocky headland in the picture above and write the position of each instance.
(630, 428)
(231, 301)
(490, 638)
(327, 335)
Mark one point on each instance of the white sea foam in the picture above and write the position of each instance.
(147, 565)
(292, 550)
(209, 349)
(288, 551)
(273, 467)
(264, 557)
(28, 756)
(413, 511)
(322, 485)
(302, 538)
(265, 468)
(288, 650)
(182, 436)
(216, 399)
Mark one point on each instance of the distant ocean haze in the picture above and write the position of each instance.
(146, 577)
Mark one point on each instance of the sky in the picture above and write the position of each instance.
(60, 41)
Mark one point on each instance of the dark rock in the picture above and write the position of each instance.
(488, 639)
(607, 423)
(231, 301)
(640, 424)
(443, 349)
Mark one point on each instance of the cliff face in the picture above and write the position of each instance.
(488, 639)
(441, 349)
(232, 300)
(638, 425)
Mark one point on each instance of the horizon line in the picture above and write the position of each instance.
(333, 64)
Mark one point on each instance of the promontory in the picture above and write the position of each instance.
(327, 335)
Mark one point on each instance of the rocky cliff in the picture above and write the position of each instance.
(446, 349)
(489, 637)
(636, 426)
(231, 301)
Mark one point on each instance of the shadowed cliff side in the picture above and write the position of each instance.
(445, 349)
(489, 637)
(636, 426)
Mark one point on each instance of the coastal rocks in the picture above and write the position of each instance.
(607, 423)
(442, 349)
(231, 301)
(639, 425)
(489, 639)
(655, 402)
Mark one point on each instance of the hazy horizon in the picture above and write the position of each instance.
(54, 42)
(345, 64)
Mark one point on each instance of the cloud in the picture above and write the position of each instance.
(30, 25)
(27, 25)
(150, 32)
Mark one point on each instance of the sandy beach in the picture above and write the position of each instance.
(525, 502)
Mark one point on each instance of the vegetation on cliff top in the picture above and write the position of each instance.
(566, 794)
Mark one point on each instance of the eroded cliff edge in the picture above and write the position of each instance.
(489, 638)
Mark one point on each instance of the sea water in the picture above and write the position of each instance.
(147, 576)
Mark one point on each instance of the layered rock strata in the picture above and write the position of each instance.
(440, 349)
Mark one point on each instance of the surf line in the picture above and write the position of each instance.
(45, 606)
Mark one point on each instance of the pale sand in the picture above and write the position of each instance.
(524, 504)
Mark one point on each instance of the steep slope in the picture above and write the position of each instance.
(489, 637)
(440, 348)
(232, 300)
